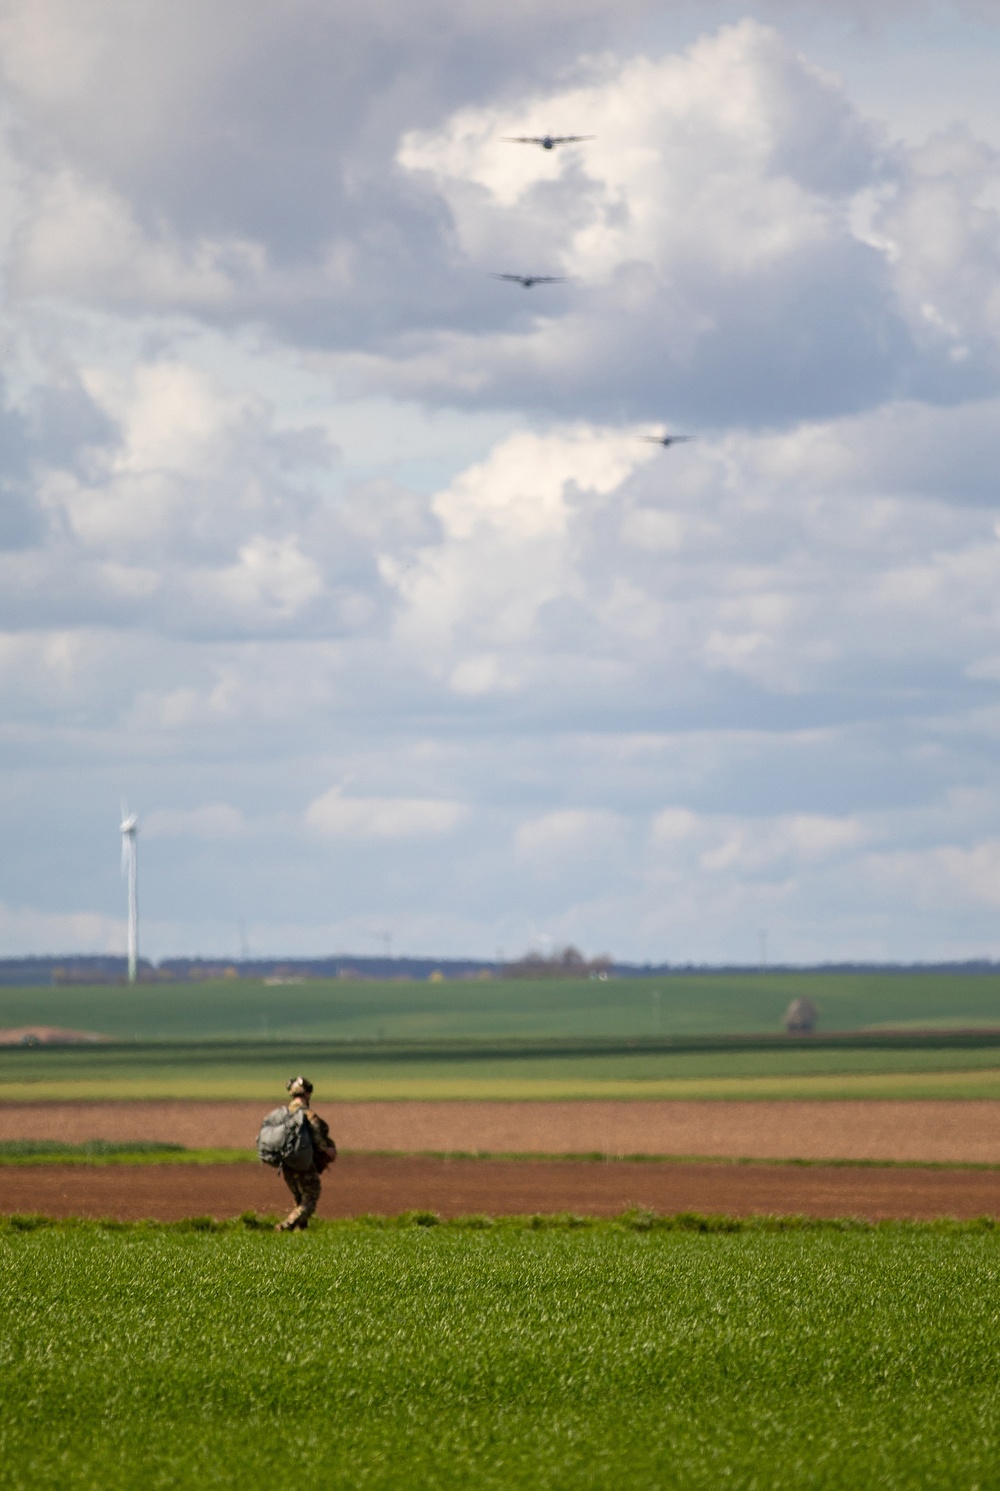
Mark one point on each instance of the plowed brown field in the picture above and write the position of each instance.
(371, 1183)
(883, 1130)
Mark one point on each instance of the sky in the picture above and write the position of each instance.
(346, 564)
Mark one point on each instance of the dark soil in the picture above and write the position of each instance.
(387, 1185)
(967, 1131)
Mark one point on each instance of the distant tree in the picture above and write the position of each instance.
(569, 963)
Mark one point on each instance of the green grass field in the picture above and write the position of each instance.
(258, 1073)
(242, 1039)
(681, 1004)
(444, 1357)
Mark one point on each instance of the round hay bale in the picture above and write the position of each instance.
(801, 1017)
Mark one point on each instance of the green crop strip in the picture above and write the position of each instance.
(638, 1219)
(596, 1157)
(550, 1353)
(109, 1152)
(89, 1149)
(27, 1152)
(257, 1072)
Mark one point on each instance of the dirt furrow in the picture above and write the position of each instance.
(882, 1130)
(362, 1184)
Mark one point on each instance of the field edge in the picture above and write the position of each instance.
(636, 1220)
(203, 1157)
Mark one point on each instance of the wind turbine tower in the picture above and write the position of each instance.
(130, 868)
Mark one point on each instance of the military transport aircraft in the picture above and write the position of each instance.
(527, 280)
(547, 142)
(666, 439)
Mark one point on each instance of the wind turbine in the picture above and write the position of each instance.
(129, 826)
(385, 937)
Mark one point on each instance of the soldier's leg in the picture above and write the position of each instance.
(309, 1188)
(293, 1180)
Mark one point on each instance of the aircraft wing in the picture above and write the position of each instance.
(548, 140)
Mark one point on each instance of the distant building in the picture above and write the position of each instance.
(801, 1017)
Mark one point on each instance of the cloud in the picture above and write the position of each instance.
(255, 178)
(213, 821)
(178, 504)
(26, 929)
(507, 525)
(569, 831)
(790, 558)
(272, 574)
(705, 230)
(734, 210)
(937, 224)
(83, 241)
(804, 837)
(950, 877)
(674, 823)
(295, 493)
(734, 149)
(337, 817)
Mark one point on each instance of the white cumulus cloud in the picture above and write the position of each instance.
(335, 816)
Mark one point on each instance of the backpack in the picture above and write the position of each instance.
(286, 1139)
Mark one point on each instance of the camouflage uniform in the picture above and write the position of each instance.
(305, 1185)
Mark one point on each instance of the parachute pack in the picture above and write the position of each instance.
(286, 1139)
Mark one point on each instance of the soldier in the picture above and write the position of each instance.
(305, 1184)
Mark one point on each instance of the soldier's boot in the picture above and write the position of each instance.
(295, 1219)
